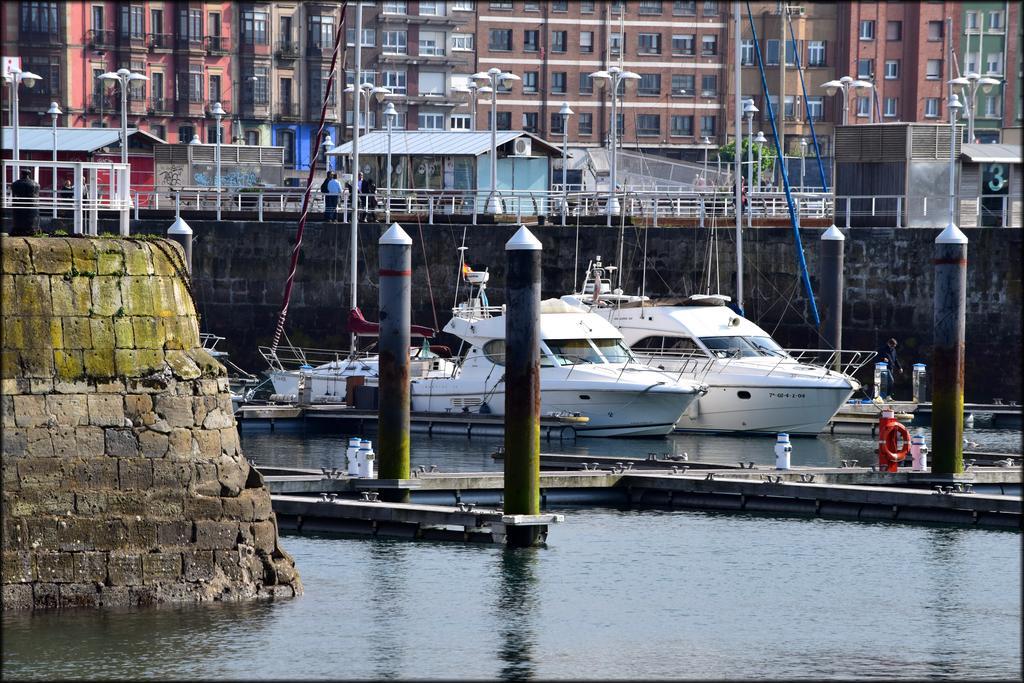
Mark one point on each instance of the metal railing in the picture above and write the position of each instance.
(217, 44)
(991, 210)
(160, 41)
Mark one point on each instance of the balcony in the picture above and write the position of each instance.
(217, 45)
(190, 43)
(99, 39)
(99, 102)
(159, 106)
(288, 111)
(287, 50)
(128, 41)
(160, 42)
(440, 20)
(318, 52)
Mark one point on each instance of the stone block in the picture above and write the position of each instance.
(110, 259)
(136, 405)
(99, 363)
(168, 504)
(153, 444)
(55, 567)
(132, 363)
(264, 536)
(83, 255)
(69, 364)
(262, 508)
(14, 442)
(114, 596)
(134, 473)
(90, 441)
(147, 333)
(180, 443)
(19, 567)
(15, 254)
(207, 441)
(79, 595)
(76, 386)
(211, 387)
(30, 411)
(90, 566)
(39, 385)
(68, 409)
(75, 533)
(102, 332)
(161, 567)
(10, 364)
(40, 442)
(51, 256)
(239, 507)
(181, 364)
(124, 569)
(124, 334)
(14, 332)
(7, 410)
(104, 385)
(216, 535)
(205, 480)
(126, 503)
(36, 362)
(199, 507)
(90, 503)
(163, 297)
(141, 533)
(122, 442)
(229, 441)
(32, 296)
(168, 257)
(232, 474)
(229, 562)
(106, 296)
(71, 295)
(9, 474)
(169, 473)
(219, 419)
(137, 258)
(106, 410)
(137, 295)
(198, 565)
(45, 596)
(108, 534)
(208, 365)
(77, 332)
(95, 473)
(177, 410)
(17, 596)
(45, 472)
(174, 533)
(64, 442)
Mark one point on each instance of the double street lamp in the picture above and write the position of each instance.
(54, 112)
(379, 92)
(473, 90)
(844, 85)
(565, 112)
(803, 161)
(15, 78)
(218, 113)
(613, 77)
(969, 84)
(123, 76)
(390, 115)
(494, 78)
(761, 140)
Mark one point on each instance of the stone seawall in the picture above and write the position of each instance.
(123, 480)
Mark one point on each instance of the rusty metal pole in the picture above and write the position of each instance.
(395, 321)
(522, 386)
(832, 257)
(950, 332)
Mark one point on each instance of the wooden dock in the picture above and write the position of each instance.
(996, 414)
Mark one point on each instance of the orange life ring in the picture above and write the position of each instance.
(894, 450)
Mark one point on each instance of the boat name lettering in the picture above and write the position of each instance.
(772, 394)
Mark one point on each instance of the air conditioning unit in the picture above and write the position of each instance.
(523, 147)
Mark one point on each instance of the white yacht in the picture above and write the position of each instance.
(586, 372)
(754, 385)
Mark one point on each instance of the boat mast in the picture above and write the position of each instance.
(738, 135)
(356, 91)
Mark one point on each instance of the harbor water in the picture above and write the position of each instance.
(615, 594)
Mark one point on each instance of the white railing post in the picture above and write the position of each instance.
(259, 206)
(79, 228)
(94, 202)
(655, 218)
(519, 209)
(430, 209)
(899, 211)
(136, 205)
(847, 212)
(124, 199)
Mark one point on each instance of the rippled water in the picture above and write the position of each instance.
(614, 594)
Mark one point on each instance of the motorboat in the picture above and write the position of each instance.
(586, 371)
(754, 385)
(241, 384)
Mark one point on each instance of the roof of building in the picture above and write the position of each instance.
(40, 138)
(448, 142)
(991, 153)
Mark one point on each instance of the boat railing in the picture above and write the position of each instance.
(850, 361)
(474, 310)
(290, 358)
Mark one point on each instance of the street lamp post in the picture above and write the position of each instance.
(328, 145)
(749, 110)
(969, 84)
(218, 113)
(803, 160)
(565, 112)
(707, 143)
(16, 78)
(389, 117)
(54, 112)
(844, 85)
(496, 78)
(123, 76)
(612, 77)
(954, 109)
(761, 140)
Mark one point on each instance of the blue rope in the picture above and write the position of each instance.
(793, 218)
(807, 105)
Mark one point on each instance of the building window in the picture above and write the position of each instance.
(500, 39)
(463, 5)
(931, 107)
(682, 44)
(650, 6)
(620, 125)
(746, 51)
(531, 6)
(369, 37)
(681, 125)
(530, 121)
(133, 22)
(430, 121)
(771, 52)
(504, 120)
(863, 105)
(560, 6)
(995, 20)
(463, 42)
(648, 44)
(185, 133)
(867, 29)
(586, 83)
(254, 28)
(396, 81)
(709, 85)
(367, 77)
(971, 61)
(395, 7)
(159, 130)
(432, 83)
(710, 8)
(460, 121)
(531, 41)
(890, 107)
(791, 50)
(529, 81)
(558, 82)
(321, 31)
(559, 41)
(587, 6)
(894, 30)
(195, 84)
(586, 41)
(709, 46)
(318, 87)
(286, 139)
(214, 88)
(892, 69)
(993, 106)
(557, 124)
(649, 84)
(815, 108)
(816, 53)
(933, 70)
(615, 43)
(394, 43)
(586, 124)
(707, 126)
(41, 18)
(432, 43)
(684, 8)
(994, 64)
(431, 8)
(683, 85)
(865, 68)
(648, 124)
(252, 138)
(48, 68)
(971, 21)
(936, 29)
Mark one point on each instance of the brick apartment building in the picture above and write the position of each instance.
(989, 40)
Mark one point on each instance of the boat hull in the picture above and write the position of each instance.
(795, 410)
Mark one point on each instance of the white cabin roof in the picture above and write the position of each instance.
(700, 321)
(558, 320)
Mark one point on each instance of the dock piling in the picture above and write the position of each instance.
(522, 386)
(948, 355)
(395, 319)
(832, 246)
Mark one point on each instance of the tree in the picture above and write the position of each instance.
(727, 152)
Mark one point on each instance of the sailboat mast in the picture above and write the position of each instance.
(737, 174)
(356, 91)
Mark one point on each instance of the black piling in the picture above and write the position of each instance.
(948, 354)
(832, 246)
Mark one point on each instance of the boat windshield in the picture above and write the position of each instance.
(573, 351)
(730, 347)
(614, 350)
(768, 347)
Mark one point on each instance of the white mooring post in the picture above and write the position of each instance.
(783, 450)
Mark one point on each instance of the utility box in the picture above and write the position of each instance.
(892, 175)
(366, 397)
